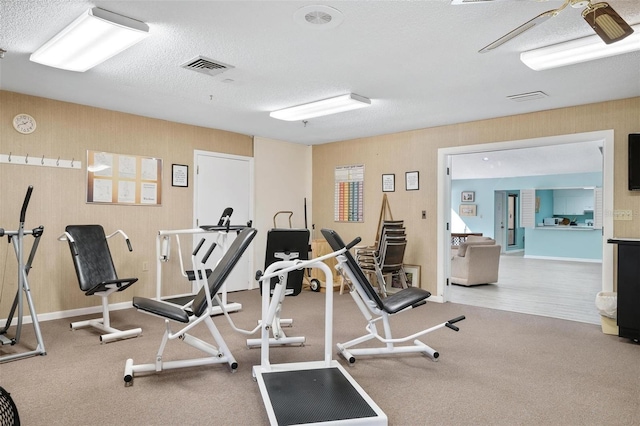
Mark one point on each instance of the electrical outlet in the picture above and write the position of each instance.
(622, 215)
(145, 266)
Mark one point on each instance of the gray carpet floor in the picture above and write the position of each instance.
(501, 368)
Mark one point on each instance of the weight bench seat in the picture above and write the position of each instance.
(160, 308)
(409, 297)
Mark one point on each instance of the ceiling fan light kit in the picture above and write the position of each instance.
(579, 50)
(91, 39)
(341, 103)
(606, 22)
(601, 17)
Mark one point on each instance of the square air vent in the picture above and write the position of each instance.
(206, 66)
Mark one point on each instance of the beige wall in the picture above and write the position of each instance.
(67, 130)
(417, 150)
(285, 181)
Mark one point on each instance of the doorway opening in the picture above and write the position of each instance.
(445, 197)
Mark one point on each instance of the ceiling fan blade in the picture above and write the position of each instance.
(522, 28)
(606, 22)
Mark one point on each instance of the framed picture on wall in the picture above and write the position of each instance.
(468, 196)
(388, 183)
(467, 210)
(179, 175)
(412, 181)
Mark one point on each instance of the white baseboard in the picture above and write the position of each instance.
(566, 259)
(70, 313)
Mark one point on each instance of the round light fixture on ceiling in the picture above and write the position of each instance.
(318, 16)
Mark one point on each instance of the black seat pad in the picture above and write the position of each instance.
(163, 309)
(404, 298)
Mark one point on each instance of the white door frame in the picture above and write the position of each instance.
(444, 197)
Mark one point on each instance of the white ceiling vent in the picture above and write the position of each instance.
(206, 65)
(318, 16)
(531, 96)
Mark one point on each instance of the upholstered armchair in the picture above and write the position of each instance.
(476, 262)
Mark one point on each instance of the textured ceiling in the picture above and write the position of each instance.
(416, 60)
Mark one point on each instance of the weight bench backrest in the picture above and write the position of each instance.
(93, 262)
(223, 269)
(285, 240)
(336, 243)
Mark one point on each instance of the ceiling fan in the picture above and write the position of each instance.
(601, 17)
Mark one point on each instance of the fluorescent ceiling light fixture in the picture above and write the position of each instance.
(94, 37)
(579, 50)
(324, 107)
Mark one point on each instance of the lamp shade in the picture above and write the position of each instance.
(91, 39)
(324, 107)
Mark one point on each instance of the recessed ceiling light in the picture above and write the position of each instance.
(485, 159)
(318, 16)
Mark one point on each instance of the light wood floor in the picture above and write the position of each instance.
(550, 288)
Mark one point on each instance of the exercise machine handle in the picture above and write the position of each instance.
(27, 197)
(450, 325)
(206, 256)
(197, 249)
(129, 244)
(353, 243)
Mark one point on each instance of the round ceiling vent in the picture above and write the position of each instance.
(318, 16)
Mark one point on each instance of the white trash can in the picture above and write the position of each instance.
(607, 304)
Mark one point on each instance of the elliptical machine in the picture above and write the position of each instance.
(17, 238)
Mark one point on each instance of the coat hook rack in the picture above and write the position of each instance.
(44, 162)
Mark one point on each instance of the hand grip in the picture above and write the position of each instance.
(129, 244)
(27, 197)
(206, 256)
(197, 249)
(353, 243)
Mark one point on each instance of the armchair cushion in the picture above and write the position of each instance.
(462, 249)
(479, 266)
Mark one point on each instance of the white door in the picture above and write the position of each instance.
(223, 181)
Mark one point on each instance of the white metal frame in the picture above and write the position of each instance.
(216, 353)
(270, 305)
(373, 315)
(104, 324)
(163, 250)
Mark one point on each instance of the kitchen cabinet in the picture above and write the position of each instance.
(567, 202)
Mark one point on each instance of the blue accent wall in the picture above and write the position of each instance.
(578, 244)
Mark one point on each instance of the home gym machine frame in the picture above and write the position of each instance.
(17, 238)
(330, 395)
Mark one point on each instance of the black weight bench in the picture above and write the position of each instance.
(200, 310)
(376, 309)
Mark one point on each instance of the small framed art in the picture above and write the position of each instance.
(180, 175)
(388, 183)
(468, 196)
(412, 181)
(467, 210)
